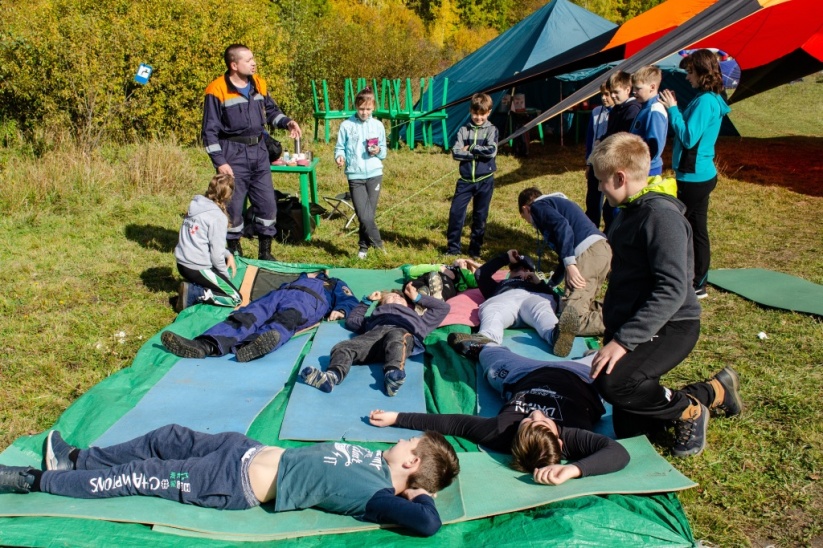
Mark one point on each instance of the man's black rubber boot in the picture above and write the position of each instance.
(264, 251)
(235, 247)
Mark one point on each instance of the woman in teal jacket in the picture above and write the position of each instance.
(695, 134)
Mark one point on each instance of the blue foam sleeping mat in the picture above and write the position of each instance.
(210, 394)
(312, 415)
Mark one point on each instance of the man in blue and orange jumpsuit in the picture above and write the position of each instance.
(236, 110)
(267, 323)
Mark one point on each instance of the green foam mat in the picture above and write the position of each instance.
(362, 282)
(490, 487)
(770, 288)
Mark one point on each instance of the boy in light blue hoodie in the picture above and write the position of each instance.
(361, 147)
(652, 122)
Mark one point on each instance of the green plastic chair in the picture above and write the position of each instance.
(326, 113)
(406, 112)
(427, 103)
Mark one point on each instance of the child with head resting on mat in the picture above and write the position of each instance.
(392, 333)
(230, 471)
(551, 408)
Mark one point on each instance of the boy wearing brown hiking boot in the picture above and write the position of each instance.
(650, 312)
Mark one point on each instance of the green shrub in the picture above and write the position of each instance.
(71, 63)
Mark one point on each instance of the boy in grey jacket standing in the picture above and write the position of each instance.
(475, 149)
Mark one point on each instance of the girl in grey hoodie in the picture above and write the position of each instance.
(202, 258)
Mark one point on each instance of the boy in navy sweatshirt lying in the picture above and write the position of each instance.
(392, 333)
(230, 471)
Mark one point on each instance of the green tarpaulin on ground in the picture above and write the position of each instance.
(656, 520)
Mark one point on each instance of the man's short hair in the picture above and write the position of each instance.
(232, 54)
(527, 196)
(622, 152)
(650, 74)
(620, 79)
(438, 463)
(534, 446)
(481, 103)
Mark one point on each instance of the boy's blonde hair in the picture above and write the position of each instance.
(534, 446)
(386, 293)
(622, 152)
(481, 103)
(620, 79)
(221, 187)
(365, 95)
(438, 463)
(650, 74)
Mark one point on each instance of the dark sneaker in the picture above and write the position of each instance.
(15, 479)
(726, 385)
(58, 452)
(323, 381)
(467, 344)
(690, 430)
(183, 347)
(700, 292)
(260, 346)
(471, 347)
(394, 379)
(565, 331)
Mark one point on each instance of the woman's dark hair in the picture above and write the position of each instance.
(703, 64)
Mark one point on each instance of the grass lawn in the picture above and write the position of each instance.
(88, 273)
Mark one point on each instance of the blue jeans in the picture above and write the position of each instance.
(172, 462)
(480, 194)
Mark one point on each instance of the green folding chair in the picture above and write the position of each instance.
(326, 113)
(427, 104)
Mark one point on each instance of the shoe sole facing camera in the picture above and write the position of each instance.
(179, 346)
(567, 328)
(730, 381)
(259, 347)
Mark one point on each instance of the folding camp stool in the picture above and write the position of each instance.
(341, 201)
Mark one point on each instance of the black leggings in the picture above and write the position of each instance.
(696, 198)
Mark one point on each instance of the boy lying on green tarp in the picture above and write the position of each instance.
(231, 471)
(551, 408)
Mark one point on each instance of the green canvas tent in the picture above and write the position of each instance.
(553, 29)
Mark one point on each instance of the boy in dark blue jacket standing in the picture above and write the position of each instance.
(583, 252)
(475, 149)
